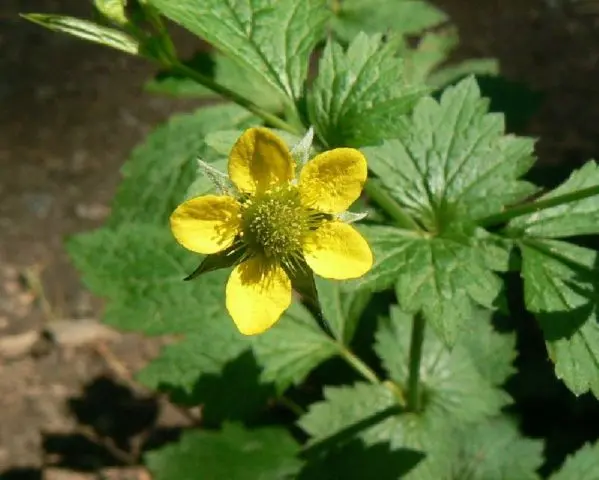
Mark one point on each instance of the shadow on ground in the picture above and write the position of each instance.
(115, 426)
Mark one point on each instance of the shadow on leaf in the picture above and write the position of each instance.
(356, 461)
(234, 394)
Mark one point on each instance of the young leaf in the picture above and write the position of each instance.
(87, 30)
(370, 413)
(139, 269)
(359, 94)
(373, 16)
(274, 39)
(452, 159)
(495, 450)
(442, 276)
(428, 61)
(455, 389)
(560, 288)
(160, 170)
(582, 465)
(569, 219)
(235, 453)
(292, 348)
(341, 310)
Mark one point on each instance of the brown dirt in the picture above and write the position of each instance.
(71, 112)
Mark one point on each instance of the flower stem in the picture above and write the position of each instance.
(233, 96)
(533, 207)
(376, 192)
(416, 342)
(358, 365)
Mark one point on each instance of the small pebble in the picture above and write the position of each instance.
(75, 333)
(17, 346)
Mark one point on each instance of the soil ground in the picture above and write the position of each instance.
(70, 113)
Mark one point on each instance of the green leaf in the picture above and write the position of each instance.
(234, 453)
(492, 353)
(341, 310)
(139, 269)
(359, 94)
(560, 288)
(569, 219)
(441, 276)
(86, 30)
(373, 16)
(356, 461)
(451, 159)
(248, 84)
(582, 465)
(495, 450)
(292, 348)
(452, 73)
(370, 413)
(272, 38)
(428, 61)
(455, 388)
(160, 170)
(429, 54)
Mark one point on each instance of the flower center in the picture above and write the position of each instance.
(274, 223)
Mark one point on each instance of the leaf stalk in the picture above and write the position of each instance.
(216, 87)
(416, 342)
(520, 210)
(376, 192)
(359, 365)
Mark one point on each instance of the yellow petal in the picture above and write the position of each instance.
(206, 224)
(333, 180)
(258, 160)
(257, 295)
(336, 250)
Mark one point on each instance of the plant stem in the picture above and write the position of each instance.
(358, 365)
(295, 408)
(533, 207)
(376, 192)
(233, 96)
(416, 342)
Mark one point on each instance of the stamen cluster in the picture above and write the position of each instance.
(274, 223)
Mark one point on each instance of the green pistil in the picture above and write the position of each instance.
(274, 223)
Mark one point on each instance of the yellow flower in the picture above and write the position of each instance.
(282, 224)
